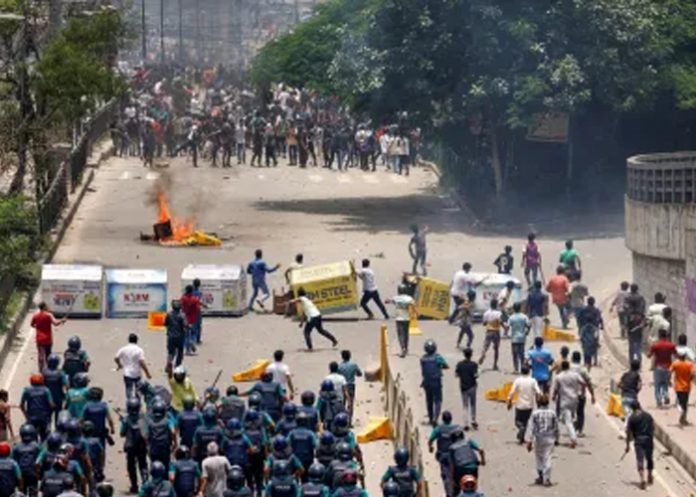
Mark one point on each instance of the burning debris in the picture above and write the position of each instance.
(173, 231)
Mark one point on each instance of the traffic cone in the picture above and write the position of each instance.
(252, 373)
(499, 394)
(614, 406)
(155, 320)
(379, 428)
(413, 328)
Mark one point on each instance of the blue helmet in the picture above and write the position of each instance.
(280, 444)
(234, 426)
(158, 471)
(289, 410)
(316, 472)
(401, 456)
(327, 386)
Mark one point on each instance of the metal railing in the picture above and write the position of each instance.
(668, 178)
(69, 174)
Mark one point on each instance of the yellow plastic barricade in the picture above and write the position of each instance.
(155, 320)
(413, 328)
(253, 373)
(332, 287)
(379, 428)
(499, 394)
(556, 335)
(433, 298)
(614, 406)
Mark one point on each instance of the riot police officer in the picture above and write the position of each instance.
(403, 474)
(97, 412)
(289, 420)
(48, 456)
(282, 483)
(255, 431)
(236, 446)
(349, 486)
(283, 452)
(338, 467)
(25, 453)
(210, 431)
(75, 360)
(304, 443)
(56, 381)
(314, 486)
(254, 402)
(135, 446)
(157, 485)
(231, 406)
(444, 436)
(329, 404)
(432, 365)
(160, 433)
(53, 481)
(308, 400)
(326, 451)
(95, 451)
(272, 395)
(37, 405)
(185, 473)
(10, 473)
(236, 486)
(187, 421)
(76, 398)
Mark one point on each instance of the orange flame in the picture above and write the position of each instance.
(181, 228)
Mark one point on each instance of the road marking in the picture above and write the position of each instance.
(397, 178)
(316, 178)
(15, 365)
(125, 175)
(369, 178)
(656, 474)
(151, 176)
(343, 179)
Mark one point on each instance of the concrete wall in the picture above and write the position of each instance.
(662, 238)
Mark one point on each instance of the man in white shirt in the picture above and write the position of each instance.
(215, 469)
(281, 373)
(527, 389)
(339, 382)
(311, 319)
(297, 264)
(462, 282)
(405, 305)
(370, 292)
(131, 358)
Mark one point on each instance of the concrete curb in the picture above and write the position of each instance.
(686, 460)
(8, 339)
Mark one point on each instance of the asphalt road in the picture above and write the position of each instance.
(328, 216)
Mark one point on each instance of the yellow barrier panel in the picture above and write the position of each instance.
(155, 320)
(383, 352)
(379, 428)
(614, 407)
(413, 328)
(499, 394)
(556, 335)
(252, 373)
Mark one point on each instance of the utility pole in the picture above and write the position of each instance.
(143, 30)
(162, 30)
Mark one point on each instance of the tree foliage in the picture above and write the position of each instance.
(18, 235)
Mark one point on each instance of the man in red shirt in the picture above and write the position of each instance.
(43, 322)
(559, 286)
(663, 351)
(191, 307)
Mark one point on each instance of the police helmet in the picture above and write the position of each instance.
(308, 398)
(81, 380)
(74, 429)
(88, 428)
(341, 422)
(212, 394)
(74, 343)
(105, 489)
(158, 471)
(430, 347)
(209, 414)
(5, 449)
(235, 479)
(53, 441)
(159, 408)
(183, 452)
(53, 361)
(234, 426)
(327, 438)
(252, 415)
(267, 377)
(27, 433)
(316, 472)
(289, 410)
(327, 386)
(468, 483)
(280, 469)
(254, 400)
(303, 419)
(62, 421)
(390, 489)
(179, 374)
(344, 452)
(401, 456)
(188, 402)
(232, 390)
(280, 444)
(36, 379)
(133, 405)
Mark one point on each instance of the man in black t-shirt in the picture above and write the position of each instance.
(640, 428)
(467, 372)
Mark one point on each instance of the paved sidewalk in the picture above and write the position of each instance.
(680, 441)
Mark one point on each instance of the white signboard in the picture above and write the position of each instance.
(73, 289)
(223, 287)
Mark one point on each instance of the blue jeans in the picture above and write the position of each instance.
(255, 291)
(131, 386)
(661, 378)
(563, 313)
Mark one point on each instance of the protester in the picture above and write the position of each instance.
(683, 373)
(526, 390)
(467, 372)
(405, 308)
(258, 269)
(618, 305)
(311, 320)
(537, 308)
(519, 326)
(590, 321)
(464, 319)
(370, 291)
(177, 329)
(663, 350)
(505, 261)
(640, 429)
(493, 322)
(559, 286)
(567, 389)
(540, 360)
(43, 322)
(281, 373)
(131, 359)
(630, 385)
(531, 260)
(542, 432)
(634, 303)
(417, 248)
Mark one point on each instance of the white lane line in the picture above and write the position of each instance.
(656, 474)
(369, 178)
(15, 365)
(316, 178)
(151, 176)
(125, 175)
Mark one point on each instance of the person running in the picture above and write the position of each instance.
(570, 260)
(281, 373)
(526, 390)
(537, 309)
(589, 323)
(576, 297)
(576, 365)
(370, 291)
(640, 429)
(542, 432)
(131, 359)
(540, 360)
(683, 348)
(43, 322)
(405, 307)
(505, 261)
(663, 351)
(519, 326)
(567, 389)
(463, 319)
(531, 260)
(559, 286)
(462, 282)
(258, 270)
(442, 438)
(493, 322)
(349, 370)
(682, 371)
(618, 305)
(630, 384)
(467, 372)
(311, 319)
(634, 304)
(417, 248)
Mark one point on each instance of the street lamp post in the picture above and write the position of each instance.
(144, 31)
